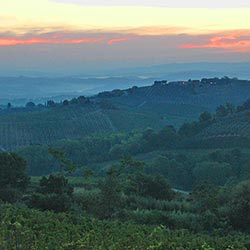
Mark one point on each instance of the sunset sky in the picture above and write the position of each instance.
(64, 35)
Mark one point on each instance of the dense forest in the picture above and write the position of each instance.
(171, 188)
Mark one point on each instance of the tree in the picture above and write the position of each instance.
(113, 184)
(13, 177)
(130, 166)
(54, 193)
(65, 164)
(153, 186)
(189, 129)
(82, 100)
(216, 156)
(30, 105)
(230, 108)
(9, 105)
(212, 172)
(88, 173)
(235, 158)
(246, 104)
(205, 203)
(51, 103)
(176, 172)
(65, 103)
(110, 193)
(168, 137)
(204, 197)
(55, 184)
(150, 139)
(221, 111)
(74, 101)
(205, 117)
(239, 206)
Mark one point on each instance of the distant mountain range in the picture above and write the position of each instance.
(175, 71)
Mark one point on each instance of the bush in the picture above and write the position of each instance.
(54, 193)
(152, 186)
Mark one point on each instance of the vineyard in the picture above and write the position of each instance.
(126, 110)
(200, 95)
(237, 125)
(45, 127)
(20, 129)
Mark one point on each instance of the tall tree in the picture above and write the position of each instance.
(13, 177)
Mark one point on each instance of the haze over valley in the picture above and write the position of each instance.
(39, 87)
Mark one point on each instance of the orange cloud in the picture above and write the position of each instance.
(30, 41)
(234, 42)
(60, 37)
(117, 40)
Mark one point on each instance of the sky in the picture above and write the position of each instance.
(75, 36)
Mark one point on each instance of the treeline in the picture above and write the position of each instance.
(81, 100)
(185, 170)
(229, 109)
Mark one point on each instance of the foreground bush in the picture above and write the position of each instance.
(26, 229)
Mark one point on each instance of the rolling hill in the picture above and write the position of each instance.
(18, 130)
(154, 106)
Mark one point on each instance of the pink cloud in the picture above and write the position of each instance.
(60, 38)
(36, 40)
(117, 40)
(235, 42)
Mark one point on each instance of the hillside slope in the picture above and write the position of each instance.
(237, 125)
(153, 106)
(20, 129)
(206, 93)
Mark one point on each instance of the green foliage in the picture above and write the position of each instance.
(205, 117)
(110, 195)
(221, 111)
(240, 206)
(65, 164)
(24, 229)
(39, 161)
(131, 190)
(58, 203)
(151, 186)
(177, 170)
(212, 172)
(53, 193)
(205, 197)
(55, 184)
(13, 177)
